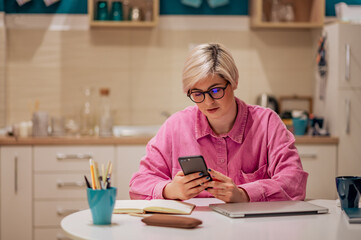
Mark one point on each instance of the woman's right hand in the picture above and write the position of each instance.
(185, 187)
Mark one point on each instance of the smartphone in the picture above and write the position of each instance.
(193, 164)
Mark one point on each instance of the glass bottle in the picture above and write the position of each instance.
(148, 15)
(275, 11)
(105, 115)
(87, 118)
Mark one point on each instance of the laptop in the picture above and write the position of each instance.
(260, 209)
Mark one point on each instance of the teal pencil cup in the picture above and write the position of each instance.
(101, 204)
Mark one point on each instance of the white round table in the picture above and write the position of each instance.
(332, 225)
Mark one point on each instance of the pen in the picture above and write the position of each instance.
(106, 172)
(103, 177)
(87, 182)
(107, 184)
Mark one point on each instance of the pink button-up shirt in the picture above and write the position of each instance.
(258, 154)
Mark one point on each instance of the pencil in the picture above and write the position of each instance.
(96, 171)
(92, 173)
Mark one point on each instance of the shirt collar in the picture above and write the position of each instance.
(202, 127)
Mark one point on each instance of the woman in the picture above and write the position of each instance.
(250, 154)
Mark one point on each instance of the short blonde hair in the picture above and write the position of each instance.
(208, 59)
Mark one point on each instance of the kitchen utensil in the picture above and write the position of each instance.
(268, 101)
(57, 126)
(40, 124)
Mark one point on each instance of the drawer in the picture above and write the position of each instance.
(50, 213)
(50, 234)
(60, 186)
(320, 163)
(70, 158)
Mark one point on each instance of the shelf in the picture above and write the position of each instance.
(307, 14)
(124, 23)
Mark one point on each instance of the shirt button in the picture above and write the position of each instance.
(222, 160)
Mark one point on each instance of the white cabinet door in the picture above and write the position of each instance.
(128, 159)
(320, 163)
(16, 189)
(350, 55)
(349, 156)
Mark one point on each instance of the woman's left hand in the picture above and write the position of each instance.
(223, 188)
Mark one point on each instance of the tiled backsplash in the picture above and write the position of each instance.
(143, 67)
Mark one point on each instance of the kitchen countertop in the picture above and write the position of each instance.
(128, 140)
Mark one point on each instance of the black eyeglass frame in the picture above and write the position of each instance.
(208, 92)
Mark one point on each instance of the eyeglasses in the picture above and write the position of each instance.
(214, 93)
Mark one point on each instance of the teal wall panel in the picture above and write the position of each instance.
(175, 7)
(167, 7)
(330, 5)
(38, 6)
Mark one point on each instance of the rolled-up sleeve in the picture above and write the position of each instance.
(154, 171)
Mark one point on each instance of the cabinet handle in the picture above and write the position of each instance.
(65, 212)
(16, 174)
(61, 184)
(348, 108)
(308, 155)
(63, 156)
(62, 237)
(347, 66)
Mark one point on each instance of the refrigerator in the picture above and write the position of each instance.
(337, 96)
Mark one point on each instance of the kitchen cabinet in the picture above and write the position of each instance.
(59, 186)
(319, 161)
(50, 179)
(128, 159)
(307, 14)
(16, 192)
(342, 94)
(144, 6)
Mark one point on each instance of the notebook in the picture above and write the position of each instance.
(254, 209)
(353, 215)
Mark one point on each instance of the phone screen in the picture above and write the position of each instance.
(193, 164)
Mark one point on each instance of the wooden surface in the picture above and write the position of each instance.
(124, 23)
(308, 14)
(141, 140)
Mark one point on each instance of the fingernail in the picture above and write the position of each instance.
(209, 170)
(207, 177)
(200, 174)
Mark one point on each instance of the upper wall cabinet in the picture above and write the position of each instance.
(287, 13)
(123, 13)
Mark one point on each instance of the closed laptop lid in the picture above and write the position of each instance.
(267, 208)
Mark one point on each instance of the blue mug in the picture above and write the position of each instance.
(348, 189)
(101, 203)
(299, 126)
